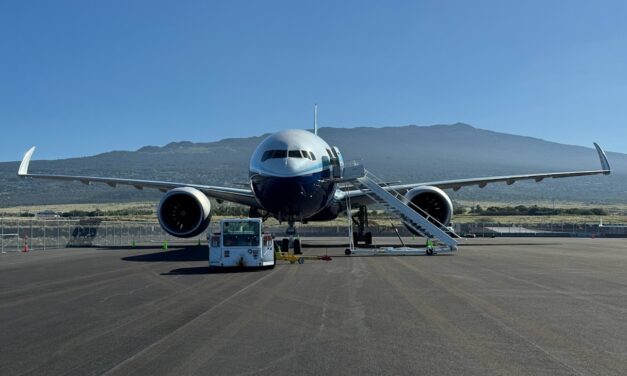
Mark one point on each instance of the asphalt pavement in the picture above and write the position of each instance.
(516, 306)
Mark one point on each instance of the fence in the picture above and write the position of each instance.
(487, 229)
(543, 230)
(42, 234)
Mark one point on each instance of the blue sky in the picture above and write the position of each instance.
(83, 77)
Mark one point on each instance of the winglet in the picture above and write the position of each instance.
(605, 165)
(23, 171)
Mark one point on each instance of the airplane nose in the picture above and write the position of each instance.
(293, 165)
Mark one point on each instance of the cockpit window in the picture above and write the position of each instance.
(279, 154)
(273, 154)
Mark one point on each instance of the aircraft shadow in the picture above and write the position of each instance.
(186, 253)
(207, 270)
(121, 247)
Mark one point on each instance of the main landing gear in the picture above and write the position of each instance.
(291, 242)
(361, 221)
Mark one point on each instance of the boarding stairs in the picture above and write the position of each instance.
(410, 214)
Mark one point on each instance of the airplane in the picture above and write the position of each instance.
(610, 226)
(296, 176)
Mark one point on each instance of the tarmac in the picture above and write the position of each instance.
(505, 306)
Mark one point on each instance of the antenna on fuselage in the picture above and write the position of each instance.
(316, 119)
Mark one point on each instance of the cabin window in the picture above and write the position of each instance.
(334, 153)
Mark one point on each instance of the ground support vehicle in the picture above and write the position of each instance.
(241, 243)
(292, 258)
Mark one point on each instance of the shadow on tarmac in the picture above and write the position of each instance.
(185, 253)
(325, 245)
(208, 270)
(346, 245)
(505, 244)
(120, 247)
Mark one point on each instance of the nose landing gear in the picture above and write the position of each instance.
(292, 242)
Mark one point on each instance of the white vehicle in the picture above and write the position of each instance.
(241, 242)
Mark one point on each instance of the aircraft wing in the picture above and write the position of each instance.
(236, 195)
(482, 182)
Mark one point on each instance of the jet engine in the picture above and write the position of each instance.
(184, 212)
(432, 200)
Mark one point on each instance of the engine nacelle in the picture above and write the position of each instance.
(184, 212)
(432, 200)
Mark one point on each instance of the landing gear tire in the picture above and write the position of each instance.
(347, 252)
(297, 248)
(429, 251)
(285, 245)
(365, 238)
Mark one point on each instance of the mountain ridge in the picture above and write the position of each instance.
(408, 153)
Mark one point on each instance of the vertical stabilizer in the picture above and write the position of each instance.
(316, 119)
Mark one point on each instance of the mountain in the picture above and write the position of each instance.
(408, 154)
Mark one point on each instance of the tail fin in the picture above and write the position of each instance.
(316, 119)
